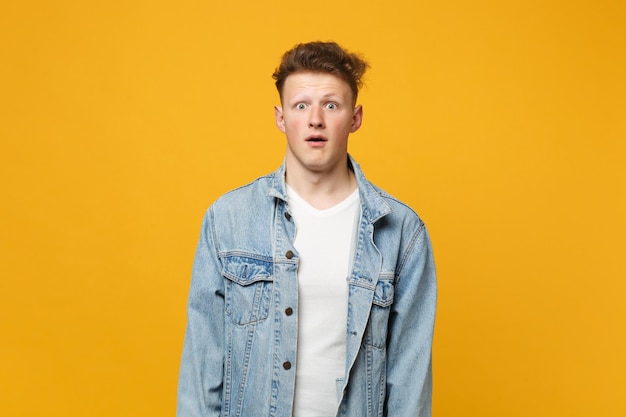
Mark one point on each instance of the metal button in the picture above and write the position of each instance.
(287, 365)
(289, 254)
(289, 311)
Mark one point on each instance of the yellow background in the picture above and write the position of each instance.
(501, 122)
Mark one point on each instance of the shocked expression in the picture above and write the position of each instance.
(317, 116)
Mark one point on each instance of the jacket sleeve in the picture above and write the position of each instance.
(202, 365)
(411, 326)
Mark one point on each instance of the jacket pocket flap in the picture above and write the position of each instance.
(245, 271)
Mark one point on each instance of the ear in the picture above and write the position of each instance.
(280, 120)
(357, 118)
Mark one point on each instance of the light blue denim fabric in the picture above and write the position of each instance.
(239, 354)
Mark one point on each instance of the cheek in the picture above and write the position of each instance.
(343, 126)
(293, 124)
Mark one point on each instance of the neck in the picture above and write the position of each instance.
(321, 190)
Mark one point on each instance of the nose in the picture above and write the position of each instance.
(316, 119)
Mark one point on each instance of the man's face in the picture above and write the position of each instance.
(317, 115)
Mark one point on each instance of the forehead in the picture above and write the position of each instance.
(315, 83)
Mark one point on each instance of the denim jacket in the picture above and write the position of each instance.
(239, 354)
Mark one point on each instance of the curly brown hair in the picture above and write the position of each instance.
(326, 57)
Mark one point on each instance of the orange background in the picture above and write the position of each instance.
(502, 123)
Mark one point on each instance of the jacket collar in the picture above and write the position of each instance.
(373, 205)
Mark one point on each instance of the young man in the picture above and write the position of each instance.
(313, 292)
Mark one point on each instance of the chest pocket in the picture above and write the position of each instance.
(379, 316)
(248, 289)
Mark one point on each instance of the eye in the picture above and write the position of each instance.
(332, 106)
(300, 106)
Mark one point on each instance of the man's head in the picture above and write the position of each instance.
(322, 57)
(318, 85)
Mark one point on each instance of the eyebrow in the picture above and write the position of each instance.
(305, 97)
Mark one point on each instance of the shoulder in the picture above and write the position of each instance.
(398, 211)
(241, 219)
(249, 195)
(383, 209)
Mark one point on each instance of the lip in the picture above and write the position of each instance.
(316, 139)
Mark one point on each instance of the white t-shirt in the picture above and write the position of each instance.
(324, 240)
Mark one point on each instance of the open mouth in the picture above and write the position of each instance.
(316, 139)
